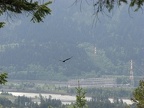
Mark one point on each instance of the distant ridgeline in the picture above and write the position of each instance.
(32, 51)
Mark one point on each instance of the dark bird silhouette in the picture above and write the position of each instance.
(66, 59)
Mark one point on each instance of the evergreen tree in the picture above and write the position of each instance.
(138, 95)
(30, 7)
(80, 98)
(3, 77)
(102, 5)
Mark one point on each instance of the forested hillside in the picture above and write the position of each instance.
(32, 51)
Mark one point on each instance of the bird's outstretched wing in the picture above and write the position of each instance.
(66, 59)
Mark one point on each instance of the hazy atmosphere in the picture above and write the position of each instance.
(71, 30)
(73, 44)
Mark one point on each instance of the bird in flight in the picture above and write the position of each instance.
(66, 59)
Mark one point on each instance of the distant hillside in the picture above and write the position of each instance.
(33, 51)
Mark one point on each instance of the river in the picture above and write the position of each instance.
(66, 99)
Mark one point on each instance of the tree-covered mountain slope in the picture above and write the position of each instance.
(34, 51)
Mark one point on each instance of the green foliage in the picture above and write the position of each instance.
(1, 24)
(105, 93)
(138, 95)
(95, 102)
(3, 78)
(101, 5)
(31, 7)
(23, 101)
(49, 103)
(116, 46)
(41, 12)
(5, 102)
(80, 98)
(137, 3)
(26, 102)
(106, 104)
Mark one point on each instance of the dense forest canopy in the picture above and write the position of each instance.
(35, 49)
(11, 8)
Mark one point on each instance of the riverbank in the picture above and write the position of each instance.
(65, 99)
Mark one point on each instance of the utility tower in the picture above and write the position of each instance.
(131, 74)
(95, 50)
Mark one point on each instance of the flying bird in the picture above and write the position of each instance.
(66, 59)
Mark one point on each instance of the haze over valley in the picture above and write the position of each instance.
(104, 48)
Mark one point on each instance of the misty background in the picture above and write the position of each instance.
(99, 47)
